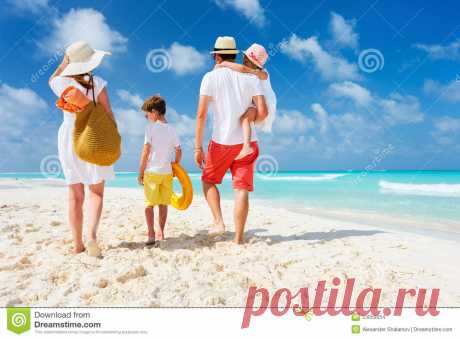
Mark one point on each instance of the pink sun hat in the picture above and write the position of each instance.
(257, 54)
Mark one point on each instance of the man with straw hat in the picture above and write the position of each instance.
(228, 94)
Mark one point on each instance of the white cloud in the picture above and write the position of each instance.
(448, 124)
(29, 6)
(325, 135)
(449, 92)
(342, 133)
(83, 24)
(446, 129)
(184, 125)
(290, 132)
(30, 130)
(20, 109)
(131, 121)
(343, 31)
(322, 117)
(132, 99)
(329, 66)
(350, 131)
(355, 131)
(448, 52)
(348, 89)
(396, 109)
(186, 59)
(250, 9)
(289, 121)
(401, 109)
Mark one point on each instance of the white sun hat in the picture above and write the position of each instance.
(82, 58)
(225, 45)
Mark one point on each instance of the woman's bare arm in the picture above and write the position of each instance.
(60, 68)
(103, 98)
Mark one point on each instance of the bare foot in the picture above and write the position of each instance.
(93, 249)
(150, 242)
(246, 150)
(159, 236)
(216, 230)
(238, 241)
(79, 248)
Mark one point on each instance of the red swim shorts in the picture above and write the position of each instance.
(220, 158)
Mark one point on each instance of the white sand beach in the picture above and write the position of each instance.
(283, 249)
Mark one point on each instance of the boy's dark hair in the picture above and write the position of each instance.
(227, 57)
(156, 103)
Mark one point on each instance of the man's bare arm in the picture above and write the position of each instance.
(201, 114)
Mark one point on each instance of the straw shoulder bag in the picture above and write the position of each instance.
(95, 137)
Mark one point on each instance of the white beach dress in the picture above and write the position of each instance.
(76, 170)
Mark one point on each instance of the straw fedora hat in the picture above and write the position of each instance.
(225, 45)
(82, 58)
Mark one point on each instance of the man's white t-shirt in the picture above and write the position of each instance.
(163, 140)
(231, 94)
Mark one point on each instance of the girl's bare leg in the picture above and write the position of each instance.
(76, 200)
(149, 220)
(246, 119)
(163, 215)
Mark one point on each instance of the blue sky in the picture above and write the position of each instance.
(334, 112)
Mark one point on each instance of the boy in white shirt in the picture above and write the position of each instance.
(155, 172)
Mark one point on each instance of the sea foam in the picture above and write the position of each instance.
(322, 177)
(437, 190)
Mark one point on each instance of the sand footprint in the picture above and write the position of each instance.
(135, 273)
(55, 223)
(102, 283)
(57, 278)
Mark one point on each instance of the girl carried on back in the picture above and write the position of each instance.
(254, 59)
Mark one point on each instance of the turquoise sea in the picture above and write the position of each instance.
(424, 195)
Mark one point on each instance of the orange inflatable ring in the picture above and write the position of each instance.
(183, 201)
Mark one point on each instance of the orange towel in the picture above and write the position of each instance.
(72, 100)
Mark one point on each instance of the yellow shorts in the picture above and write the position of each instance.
(158, 189)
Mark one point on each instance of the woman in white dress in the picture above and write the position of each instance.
(75, 70)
